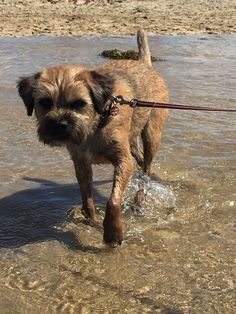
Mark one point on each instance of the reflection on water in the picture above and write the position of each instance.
(179, 250)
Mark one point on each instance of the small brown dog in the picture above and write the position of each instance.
(68, 102)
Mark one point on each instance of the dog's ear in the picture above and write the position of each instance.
(100, 87)
(25, 87)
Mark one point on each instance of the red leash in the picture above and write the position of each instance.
(140, 103)
(111, 108)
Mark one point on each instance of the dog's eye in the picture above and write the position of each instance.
(77, 104)
(46, 103)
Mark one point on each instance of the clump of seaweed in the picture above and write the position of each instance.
(119, 54)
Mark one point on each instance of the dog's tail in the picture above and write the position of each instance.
(143, 48)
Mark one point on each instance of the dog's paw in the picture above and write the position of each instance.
(113, 234)
(76, 212)
(89, 214)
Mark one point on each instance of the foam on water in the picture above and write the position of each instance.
(157, 197)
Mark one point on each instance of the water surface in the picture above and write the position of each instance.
(179, 251)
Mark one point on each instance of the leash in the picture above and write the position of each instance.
(111, 108)
(141, 103)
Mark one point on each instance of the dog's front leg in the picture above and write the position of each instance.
(83, 170)
(112, 222)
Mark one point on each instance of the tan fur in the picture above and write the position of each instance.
(68, 102)
(144, 52)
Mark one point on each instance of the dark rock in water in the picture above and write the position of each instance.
(118, 54)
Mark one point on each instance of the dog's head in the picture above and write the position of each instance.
(66, 101)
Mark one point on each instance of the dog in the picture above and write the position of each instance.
(69, 101)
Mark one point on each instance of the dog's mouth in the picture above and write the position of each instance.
(57, 131)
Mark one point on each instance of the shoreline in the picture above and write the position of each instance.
(202, 36)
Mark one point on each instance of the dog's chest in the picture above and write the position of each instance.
(87, 153)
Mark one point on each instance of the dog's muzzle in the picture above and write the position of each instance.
(56, 130)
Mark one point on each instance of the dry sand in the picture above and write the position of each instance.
(117, 17)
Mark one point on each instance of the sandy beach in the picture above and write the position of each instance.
(116, 17)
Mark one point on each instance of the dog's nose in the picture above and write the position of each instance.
(56, 128)
(59, 127)
(63, 123)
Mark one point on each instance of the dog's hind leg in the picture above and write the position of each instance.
(151, 136)
(137, 150)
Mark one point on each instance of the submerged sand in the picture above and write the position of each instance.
(117, 17)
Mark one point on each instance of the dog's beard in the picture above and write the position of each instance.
(58, 129)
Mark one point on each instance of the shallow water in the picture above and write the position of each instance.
(179, 250)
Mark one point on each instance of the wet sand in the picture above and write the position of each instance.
(116, 17)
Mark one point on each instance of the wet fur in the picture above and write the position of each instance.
(67, 102)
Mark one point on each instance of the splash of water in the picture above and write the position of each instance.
(155, 196)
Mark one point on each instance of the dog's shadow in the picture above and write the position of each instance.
(30, 215)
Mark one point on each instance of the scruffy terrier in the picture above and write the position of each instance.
(69, 102)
